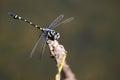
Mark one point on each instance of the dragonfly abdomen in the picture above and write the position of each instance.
(25, 20)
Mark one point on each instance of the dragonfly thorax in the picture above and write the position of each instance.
(51, 34)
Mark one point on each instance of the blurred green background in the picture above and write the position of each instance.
(92, 39)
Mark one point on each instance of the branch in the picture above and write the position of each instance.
(58, 53)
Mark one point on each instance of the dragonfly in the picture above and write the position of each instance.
(47, 33)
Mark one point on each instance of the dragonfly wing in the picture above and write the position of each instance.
(34, 48)
(42, 47)
(56, 21)
(63, 22)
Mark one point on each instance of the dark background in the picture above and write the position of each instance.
(92, 39)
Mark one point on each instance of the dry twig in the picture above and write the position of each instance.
(58, 52)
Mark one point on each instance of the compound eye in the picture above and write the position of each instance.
(57, 36)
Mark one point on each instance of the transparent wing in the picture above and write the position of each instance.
(42, 47)
(63, 22)
(34, 48)
(56, 21)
